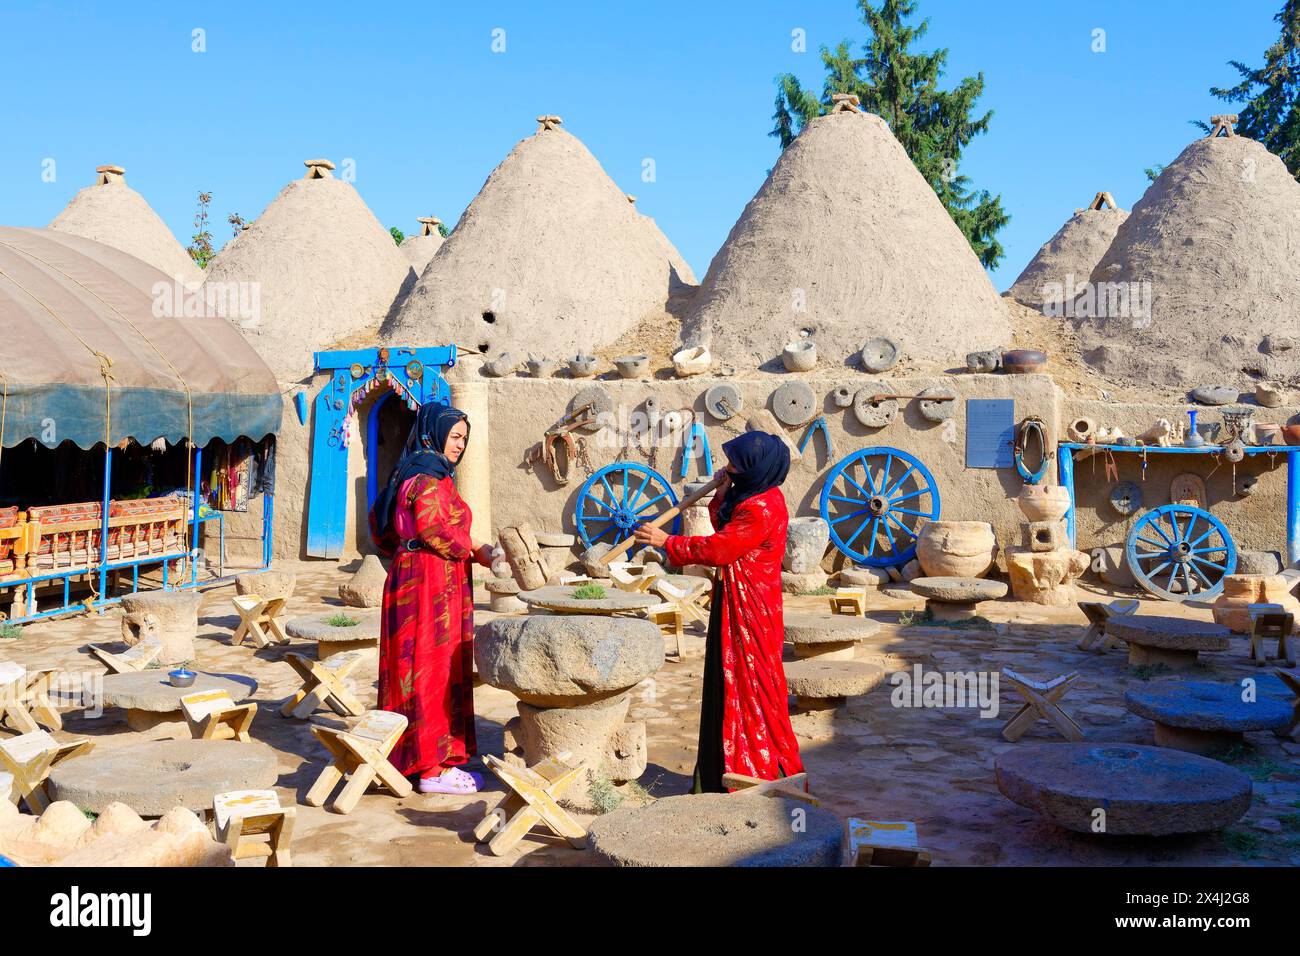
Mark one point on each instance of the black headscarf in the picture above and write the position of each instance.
(423, 455)
(761, 460)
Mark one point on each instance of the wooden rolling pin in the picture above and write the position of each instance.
(659, 520)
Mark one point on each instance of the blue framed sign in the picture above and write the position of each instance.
(990, 432)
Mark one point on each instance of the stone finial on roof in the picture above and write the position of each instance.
(428, 225)
(1223, 123)
(318, 169)
(109, 174)
(1103, 200)
(548, 122)
(846, 103)
(630, 198)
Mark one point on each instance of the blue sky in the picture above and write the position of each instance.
(414, 94)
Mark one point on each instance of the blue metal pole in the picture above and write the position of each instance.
(194, 492)
(268, 518)
(103, 525)
(1292, 507)
(1065, 456)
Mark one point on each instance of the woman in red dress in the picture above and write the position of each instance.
(426, 644)
(745, 714)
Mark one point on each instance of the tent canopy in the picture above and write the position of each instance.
(85, 358)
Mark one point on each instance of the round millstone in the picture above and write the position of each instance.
(824, 680)
(151, 691)
(722, 401)
(843, 396)
(315, 627)
(879, 354)
(560, 598)
(1200, 705)
(794, 403)
(874, 414)
(601, 402)
(267, 584)
(1214, 394)
(501, 586)
(718, 829)
(554, 539)
(959, 590)
(151, 778)
(1144, 791)
(810, 628)
(937, 404)
(1169, 633)
(559, 660)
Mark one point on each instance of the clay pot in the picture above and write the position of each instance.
(542, 368)
(633, 366)
(1044, 502)
(1022, 361)
(956, 549)
(582, 366)
(1292, 434)
(800, 356)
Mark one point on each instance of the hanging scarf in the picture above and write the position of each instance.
(761, 462)
(423, 455)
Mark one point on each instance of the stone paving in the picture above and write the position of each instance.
(932, 765)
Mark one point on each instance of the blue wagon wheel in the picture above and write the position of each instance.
(1178, 546)
(614, 500)
(875, 502)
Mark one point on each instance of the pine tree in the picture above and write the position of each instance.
(1271, 94)
(902, 87)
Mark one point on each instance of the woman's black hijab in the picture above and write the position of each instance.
(761, 461)
(423, 455)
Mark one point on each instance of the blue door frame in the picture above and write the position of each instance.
(415, 375)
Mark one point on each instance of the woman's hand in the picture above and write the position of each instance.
(655, 537)
(485, 554)
(725, 483)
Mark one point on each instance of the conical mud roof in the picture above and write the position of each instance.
(1214, 248)
(549, 258)
(847, 240)
(111, 212)
(420, 248)
(1068, 258)
(323, 266)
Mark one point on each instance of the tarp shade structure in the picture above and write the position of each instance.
(83, 357)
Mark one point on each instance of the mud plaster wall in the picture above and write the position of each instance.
(1256, 523)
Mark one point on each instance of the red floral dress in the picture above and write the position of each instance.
(426, 644)
(757, 739)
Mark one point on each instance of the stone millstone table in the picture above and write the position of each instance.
(153, 777)
(331, 638)
(821, 688)
(827, 637)
(1204, 718)
(151, 701)
(1143, 791)
(718, 829)
(572, 674)
(560, 600)
(956, 599)
(1171, 641)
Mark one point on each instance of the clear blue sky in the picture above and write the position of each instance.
(414, 94)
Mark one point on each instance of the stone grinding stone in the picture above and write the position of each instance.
(554, 539)
(821, 679)
(1200, 705)
(312, 627)
(794, 403)
(1265, 563)
(1169, 633)
(366, 587)
(151, 778)
(715, 398)
(959, 590)
(602, 406)
(809, 628)
(874, 414)
(501, 586)
(565, 659)
(151, 691)
(717, 829)
(937, 404)
(266, 584)
(1145, 791)
(560, 598)
(864, 578)
(842, 396)
(1214, 394)
(879, 354)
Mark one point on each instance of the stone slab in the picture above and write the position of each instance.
(1169, 633)
(153, 777)
(561, 599)
(1200, 705)
(803, 627)
(959, 590)
(718, 829)
(151, 691)
(1144, 791)
(818, 678)
(312, 627)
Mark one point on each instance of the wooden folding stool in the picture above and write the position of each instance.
(795, 787)
(534, 796)
(1041, 702)
(849, 601)
(1270, 622)
(1098, 613)
(214, 715)
(240, 815)
(883, 843)
(360, 754)
(323, 685)
(29, 759)
(135, 658)
(257, 616)
(25, 698)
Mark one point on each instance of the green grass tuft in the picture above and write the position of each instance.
(588, 592)
(1148, 671)
(926, 619)
(604, 795)
(341, 620)
(1242, 842)
(823, 591)
(10, 632)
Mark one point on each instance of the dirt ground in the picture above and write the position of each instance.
(932, 766)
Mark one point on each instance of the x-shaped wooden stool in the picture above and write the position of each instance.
(668, 617)
(30, 757)
(1040, 702)
(1095, 638)
(849, 601)
(1293, 684)
(1271, 622)
(214, 715)
(242, 814)
(257, 615)
(360, 753)
(534, 796)
(632, 577)
(795, 787)
(135, 658)
(883, 843)
(323, 684)
(25, 698)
